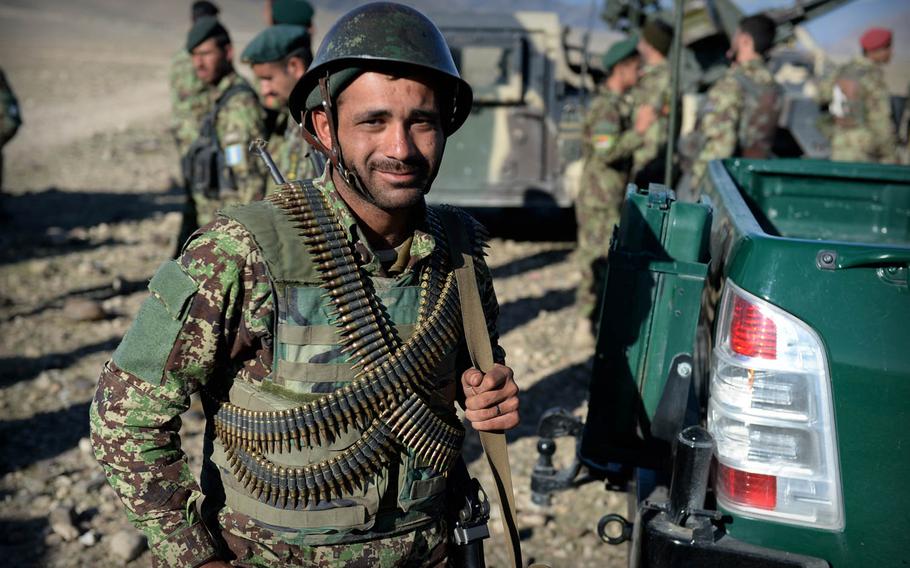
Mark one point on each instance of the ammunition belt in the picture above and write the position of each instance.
(386, 397)
(412, 424)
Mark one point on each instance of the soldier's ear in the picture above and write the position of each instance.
(295, 67)
(229, 52)
(321, 127)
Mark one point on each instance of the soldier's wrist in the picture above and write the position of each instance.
(189, 546)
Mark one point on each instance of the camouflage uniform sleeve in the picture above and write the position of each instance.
(718, 125)
(604, 132)
(239, 123)
(135, 415)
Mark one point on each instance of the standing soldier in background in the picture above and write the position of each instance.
(10, 119)
(292, 13)
(188, 100)
(859, 104)
(279, 56)
(652, 95)
(217, 165)
(740, 116)
(189, 104)
(609, 140)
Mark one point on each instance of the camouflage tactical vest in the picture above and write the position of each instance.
(758, 123)
(351, 434)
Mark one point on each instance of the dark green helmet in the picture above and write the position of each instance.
(382, 35)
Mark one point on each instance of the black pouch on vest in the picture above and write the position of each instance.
(203, 165)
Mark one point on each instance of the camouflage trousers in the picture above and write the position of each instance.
(597, 211)
(861, 145)
(254, 546)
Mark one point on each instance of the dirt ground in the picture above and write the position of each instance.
(90, 209)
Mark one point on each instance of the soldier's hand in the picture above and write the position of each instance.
(645, 116)
(490, 400)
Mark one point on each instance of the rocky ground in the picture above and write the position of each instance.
(90, 209)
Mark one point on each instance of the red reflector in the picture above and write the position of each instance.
(751, 333)
(752, 489)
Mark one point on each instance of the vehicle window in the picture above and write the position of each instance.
(493, 71)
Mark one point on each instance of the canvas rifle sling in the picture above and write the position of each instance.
(478, 342)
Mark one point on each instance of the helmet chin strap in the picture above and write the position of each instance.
(334, 153)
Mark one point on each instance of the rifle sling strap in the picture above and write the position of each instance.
(478, 343)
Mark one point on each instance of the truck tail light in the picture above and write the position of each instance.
(749, 489)
(772, 415)
(752, 333)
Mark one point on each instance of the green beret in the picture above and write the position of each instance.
(659, 35)
(203, 29)
(296, 12)
(620, 51)
(275, 43)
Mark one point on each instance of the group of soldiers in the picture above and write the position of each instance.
(625, 131)
(217, 113)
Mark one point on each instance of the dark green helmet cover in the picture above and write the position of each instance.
(382, 35)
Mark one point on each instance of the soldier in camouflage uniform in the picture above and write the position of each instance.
(188, 100)
(651, 95)
(323, 330)
(279, 56)
(740, 116)
(237, 119)
(609, 140)
(859, 105)
(10, 119)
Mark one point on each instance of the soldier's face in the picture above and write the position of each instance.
(391, 135)
(210, 61)
(628, 72)
(276, 80)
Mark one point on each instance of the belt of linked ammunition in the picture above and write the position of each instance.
(412, 424)
(386, 396)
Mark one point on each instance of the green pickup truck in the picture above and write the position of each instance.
(751, 383)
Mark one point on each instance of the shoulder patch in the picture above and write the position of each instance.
(234, 155)
(146, 347)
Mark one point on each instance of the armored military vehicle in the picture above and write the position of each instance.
(523, 134)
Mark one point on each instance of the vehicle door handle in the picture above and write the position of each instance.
(832, 260)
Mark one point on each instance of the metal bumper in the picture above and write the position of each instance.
(662, 544)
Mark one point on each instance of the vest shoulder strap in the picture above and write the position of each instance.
(209, 121)
(279, 241)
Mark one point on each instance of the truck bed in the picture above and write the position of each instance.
(821, 200)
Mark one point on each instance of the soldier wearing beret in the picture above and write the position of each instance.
(651, 96)
(188, 100)
(217, 165)
(610, 139)
(859, 105)
(322, 327)
(279, 56)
